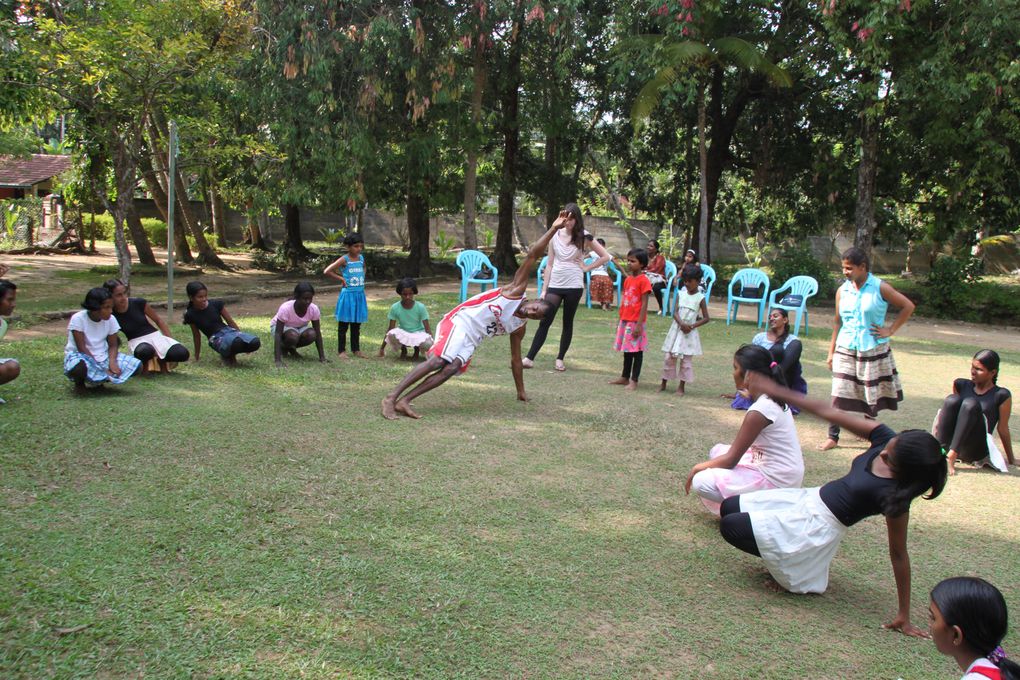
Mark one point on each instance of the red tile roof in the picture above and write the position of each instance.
(24, 172)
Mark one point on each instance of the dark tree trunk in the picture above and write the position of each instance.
(219, 215)
(479, 73)
(867, 170)
(155, 183)
(419, 261)
(255, 238)
(206, 254)
(138, 235)
(293, 247)
(553, 194)
(503, 256)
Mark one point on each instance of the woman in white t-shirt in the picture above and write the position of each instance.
(766, 452)
(564, 282)
(90, 356)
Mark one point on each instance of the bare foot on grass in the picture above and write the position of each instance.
(680, 392)
(343, 355)
(388, 409)
(360, 355)
(405, 408)
(828, 445)
(662, 387)
(631, 386)
(619, 381)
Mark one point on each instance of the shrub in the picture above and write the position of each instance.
(155, 229)
(949, 286)
(799, 261)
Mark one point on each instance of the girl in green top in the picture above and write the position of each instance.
(409, 323)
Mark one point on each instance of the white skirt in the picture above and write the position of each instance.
(398, 338)
(159, 341)
(679, 343)
(797, 536)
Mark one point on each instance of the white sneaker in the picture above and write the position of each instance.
(527, 363)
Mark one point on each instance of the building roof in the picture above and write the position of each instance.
(23, 172)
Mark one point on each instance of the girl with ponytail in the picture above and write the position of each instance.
(766, 453)
(797, 531)
(968, 622)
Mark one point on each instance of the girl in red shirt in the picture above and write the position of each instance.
(630, 334)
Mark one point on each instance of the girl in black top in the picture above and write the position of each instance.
(971, 413)
(214, 321)
(147, 342)
(797, 531)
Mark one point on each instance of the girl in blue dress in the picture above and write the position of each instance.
(351, 305)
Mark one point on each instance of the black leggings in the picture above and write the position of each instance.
(177, 353)
(657, 289)
(242, 346)
(735, 526)
(570, 298)
(632, 365)
(341, 341)
(961, 427)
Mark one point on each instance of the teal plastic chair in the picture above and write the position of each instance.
(614, 273)
(470, 263)
(671, 285)
(793, 296)
(743, 282)
(540, 272)
(707, 280)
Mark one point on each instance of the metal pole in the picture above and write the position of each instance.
(172, 150)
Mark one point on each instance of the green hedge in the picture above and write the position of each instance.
(156, 230)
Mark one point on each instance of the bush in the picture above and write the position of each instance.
(155, 229)
(950, 286)
(799, 261)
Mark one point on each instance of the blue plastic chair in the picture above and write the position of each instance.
(707, 280)
(540, 272)
(470, 263)
(746, 279)
(671, 285)
(614, 273)
(799, 289)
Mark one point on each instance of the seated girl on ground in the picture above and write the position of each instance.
(148, 343)
(296, 324)
(409, 323)
(9, 368)
(90, 356)
(214, 321)
(797, 531)
(766, 451)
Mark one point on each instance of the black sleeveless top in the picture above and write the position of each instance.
(990, 401)
(860, 493)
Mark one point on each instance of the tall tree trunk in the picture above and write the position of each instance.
(206, 253)
(219, 216)
(154, 175)
(138, 235)
(124, 183)
(479, 74)
(613, 198)
(419, 261)
(867, 170)
(503, 255)
(257, 242)
(703, 164)
(552, 179)
(293, 246)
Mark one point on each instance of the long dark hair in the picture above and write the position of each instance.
(989, 358)
(192, 289)
(112, 284)
(979, 609)
(760, 360)
(918, 465)
(577, 233)
(781, 340)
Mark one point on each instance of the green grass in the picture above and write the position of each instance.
(269, 523)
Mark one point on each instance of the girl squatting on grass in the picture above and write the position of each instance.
(9, 368)
(211, 318)
(351, 305)
(631, 338)
(150, 344)
(90, 356)
(296, 324)
(797, 531)
(409, 323)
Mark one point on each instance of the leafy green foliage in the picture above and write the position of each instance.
(798, 260)
(949, 286)
(444, 243)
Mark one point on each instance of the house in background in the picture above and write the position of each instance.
(30, 176)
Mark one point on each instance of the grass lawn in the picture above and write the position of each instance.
(270, 523)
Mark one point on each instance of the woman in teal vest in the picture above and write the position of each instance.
(864, 377)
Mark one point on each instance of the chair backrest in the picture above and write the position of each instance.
(749, 278)
(540, 271)
(804, 286)
(613, 269)
(670, 271)
(708, 278)
(471, 261)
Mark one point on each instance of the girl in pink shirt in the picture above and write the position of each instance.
(296, 324)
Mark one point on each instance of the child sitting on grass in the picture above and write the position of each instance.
(409, 323)
(90, 356)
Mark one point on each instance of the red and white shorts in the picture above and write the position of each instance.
(452, 342)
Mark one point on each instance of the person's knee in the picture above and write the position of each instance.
(704, 484)
(952, 401)
(253, 344)
(730, 506)
(145, 352)
(290, 338)
(78, 372)
(177, 353)
(451, 369)
(9, 371)
(970, 405)
(307, 338)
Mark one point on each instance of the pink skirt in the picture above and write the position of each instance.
(743, 478)
(625, 340)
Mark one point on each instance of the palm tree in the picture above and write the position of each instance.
(707, 60)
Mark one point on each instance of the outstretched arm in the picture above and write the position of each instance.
(1003, 427)
(516, 365)
(897, 527)
(859, 426)
(520, 280)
